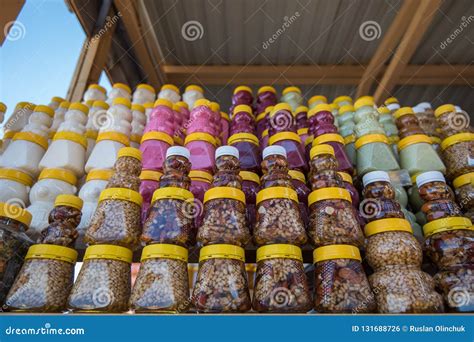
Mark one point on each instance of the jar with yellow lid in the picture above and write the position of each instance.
(374, 154)
(221, 284)
(464, 190)
(323, 167)
(14, 243)
(333, 219)
(154, 146)
(280, 281)
(292, 96)
(417, 155)
(452, 121)
(200, 183)
(249, 152)
(143, 93)
(176, 168)
(345, 117)
(44, 281)
(366, 117)
(298, 181)
(301, 118)
(337, 142)
(407, 122)
(349, 148)
(149, 182)
(242, 95)
(340, 284)
(162, 281)
(266, 97)
(426, 118)
(243, 120)
(14, 184)
(104, 282)
(126, 170)
(398, 282)
(457, 152)
(202, 147)
(348, 184)
(95, 92)
(250, 186)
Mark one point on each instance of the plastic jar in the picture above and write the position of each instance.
(349, 186)
(264, 140)
(261, 123)
(200, 183)
(407, 122)
(241, 95)
(374, 154)
(417, 155)
(396, 256)
(343, 100)
(14, 244)
(44, 281)
(14, 186)
(323, 167)
(333, 219)
(301, 117)
(250, 185)
(345, 116)
(349, 148)
(149, 182)
(191, 94)
(249, 152)
(266, 97)
(316, 100)
(104, 154)
(95, 92)
(451, 121)
(221, 284)
(143, 93)
(321, 120)
(280, 281)
(154, 146)
(337, 143)
(291, 142)
(242, 120)
(458, 154)
(104, 282)
(298, 181)
(162, 281)
(464, 189)
(341, 285)
(202, 148)
(292, 96)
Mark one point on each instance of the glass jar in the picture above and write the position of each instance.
(337, 143)
(341, 285)
(14, 243)
(250, 185)
(417, 155)
(202, 147)
(332, 218)
(149, 182)
(221, 285)
(104, 282)
(374, 153)
(464, 189)
(458, 154)
(280, 281)
(44, 281)
(162, 283)
(298, 181)
(249, 152)
(153, 146)
(200, 183)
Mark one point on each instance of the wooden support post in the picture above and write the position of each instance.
(10, 11)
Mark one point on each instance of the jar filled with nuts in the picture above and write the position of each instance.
(280, 282)
(162, 281)
(337, 143)
(324, 167)
(249, 153)
(200, 183)
(127, 169)
(176, 168)
(457, 152)
(451, 121)
(149, 182)
(407, 122)
(221, 285)
(63, 221)
(333, 219)
(14, 244)
(299, 184)
(44, 281)
(398, 283)
(341, 285)
(464, 189)
(438, 196)
(275, 168)
(250, 185)
(104, 282)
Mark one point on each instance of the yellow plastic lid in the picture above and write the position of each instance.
(279, 251)
(198, 136)
(265, 133)
(329, 193)
(444, 224)
(387, 225)
(242, 88)
(224, 192)
(268, 109)
(122, 101)
(44, 109)
(321, 149)
(80, 107)
(33, 138)
(146, 87)
(279, 107)
(173, 193)
(346, 109)
(69, 200)
(315, 98)
(121, 194)
(393, 139)
(291, 89)
(202, 102)
(57, 99)
(111, 252)
(97, 87)
(322, 107)
(446, 108)
(122, 86)
(23, 105)
(402, 112)
(336, 252)
(164, 251)
(59, 174)
(182, 104)
(242, 108)
(71, 136)
(457, 138)
(334, 106)
(215, 107)
(463, 180)
(266, 88)
(363, 102)
(200, 175)
(435, 140)
(349, 139)
(328, 137)
(342, 98)
(371, 138)
(114, 136)
(150, 175)
(301, 109)
(225, 116)
(413, 177)
(222, 251)
(163, 102)
(99, 175)
(101, 104)
(413, 139)
(138, 107)
(260, 117)
(130, 152)
(284, 136)
(345, 177)
(276, 192)
(250, 176)
(158, 136)
(136, 138)
(65, 104)
(89, 103)
(194, 87)
(391, 100)
(44, 251)
(302, 131)
(17, 176)
(16, 213)
(383, 110)
(9, 134)
(298, 175)
(238, 137)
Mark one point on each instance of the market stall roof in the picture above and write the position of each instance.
(414, 50)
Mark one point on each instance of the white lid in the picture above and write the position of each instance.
(375, 176)
(430, 176)
(227, 151)
(424, 105)
(273, 150)
(458, 109)
(178, 151)
(418, 109)
(393, 106)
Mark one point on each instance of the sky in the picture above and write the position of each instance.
(38, 59)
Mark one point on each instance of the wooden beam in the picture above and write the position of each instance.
(10, 11)
(412, 37)
(388, 43)
(310, 75)
(127, 11)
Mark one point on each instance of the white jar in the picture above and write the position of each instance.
(14, 187)
(169, 92)
(55, 102)
(50, 184)
(97, 114)
(58, 118)
(191, 94)
(144, 93)
(68, 148)
(95, 182)
(148, 109)
(95, 92)
(119, 90)
(20, 116)
(138, 125)
(3, 110)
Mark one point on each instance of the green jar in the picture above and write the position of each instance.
(374, 154)
(417, 155)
